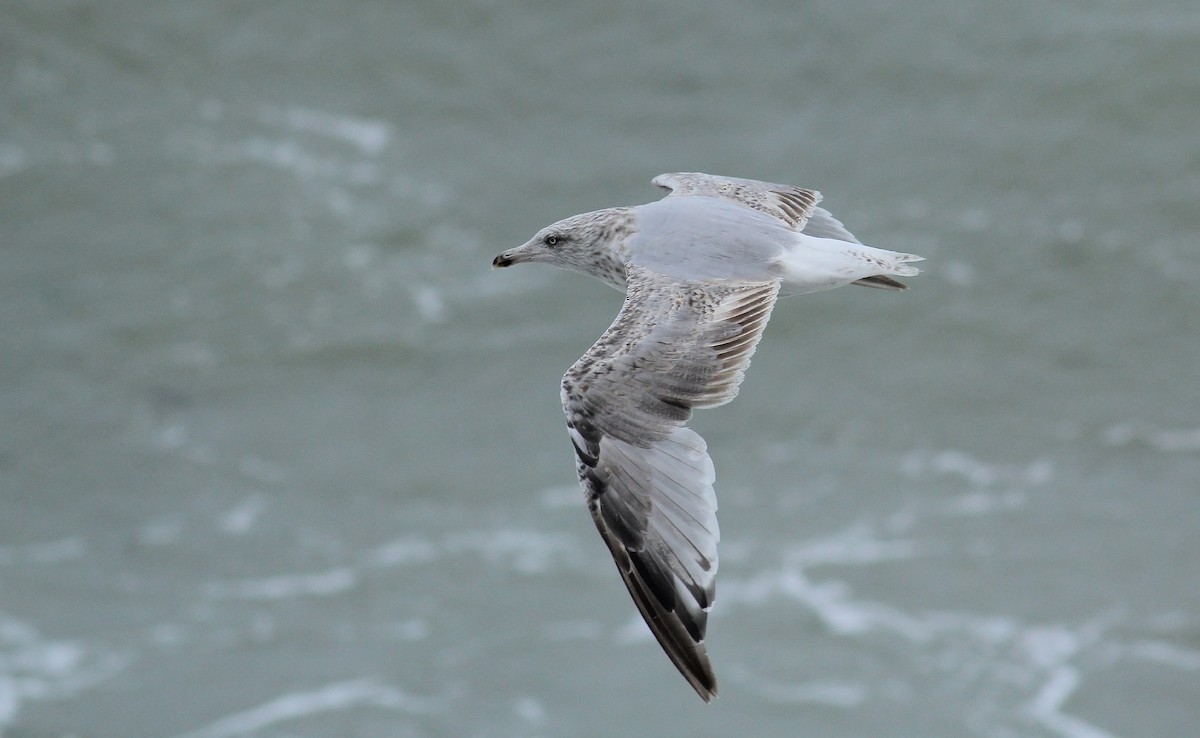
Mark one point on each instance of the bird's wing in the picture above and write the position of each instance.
(822, 224)
(792, 205)
(648, 480)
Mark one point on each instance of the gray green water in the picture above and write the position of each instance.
(280, 455)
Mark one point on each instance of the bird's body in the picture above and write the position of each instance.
(701, 270)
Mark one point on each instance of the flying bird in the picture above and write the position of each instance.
(701, 270)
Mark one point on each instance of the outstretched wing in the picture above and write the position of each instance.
(795, 206)
(792, 205)
(648, 479)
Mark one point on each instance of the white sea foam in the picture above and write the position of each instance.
(286, 586)
(1047, 646)
(100, 153)
(289, 155)
(831, 601)
(857, 544)
(409, 630)
(261, 470)
(527, 551)
(430, 304)
(336, 697)
(9, 701)
(241, 519)
(369, 135)
(1046, 707)
(286, 155)
(171, 436)
(161, 533)
(846, 695)
(633, 631)
(562, 496)
(975, 219)
(981, 502)
(958, 273)
(48, 552)
(1024, 673)
(402, 552)
(12, 159)
(1168, 654)
(1159, 439)
(168, 635)
(977, 473)
(530, 710)
(33, 667)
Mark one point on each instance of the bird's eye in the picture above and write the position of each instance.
(551, 240)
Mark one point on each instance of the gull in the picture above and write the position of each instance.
(701, 270)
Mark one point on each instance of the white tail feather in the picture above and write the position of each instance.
(814, 264)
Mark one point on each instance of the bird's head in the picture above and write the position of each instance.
(592, 243)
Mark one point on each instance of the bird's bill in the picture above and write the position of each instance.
(510, 257)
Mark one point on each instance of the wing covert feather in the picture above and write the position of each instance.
(793, 205)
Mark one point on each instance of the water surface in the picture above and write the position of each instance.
(280, 455)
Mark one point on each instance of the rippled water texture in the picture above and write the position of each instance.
(280, 454)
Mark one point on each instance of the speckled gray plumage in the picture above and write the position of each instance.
(701, 270)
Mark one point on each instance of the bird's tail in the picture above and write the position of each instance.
(814, 264)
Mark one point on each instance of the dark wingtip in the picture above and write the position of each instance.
(707, 689)
(882, 282)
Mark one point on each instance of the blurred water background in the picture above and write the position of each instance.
(280, 454)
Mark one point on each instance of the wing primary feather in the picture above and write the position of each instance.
(688, 656)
